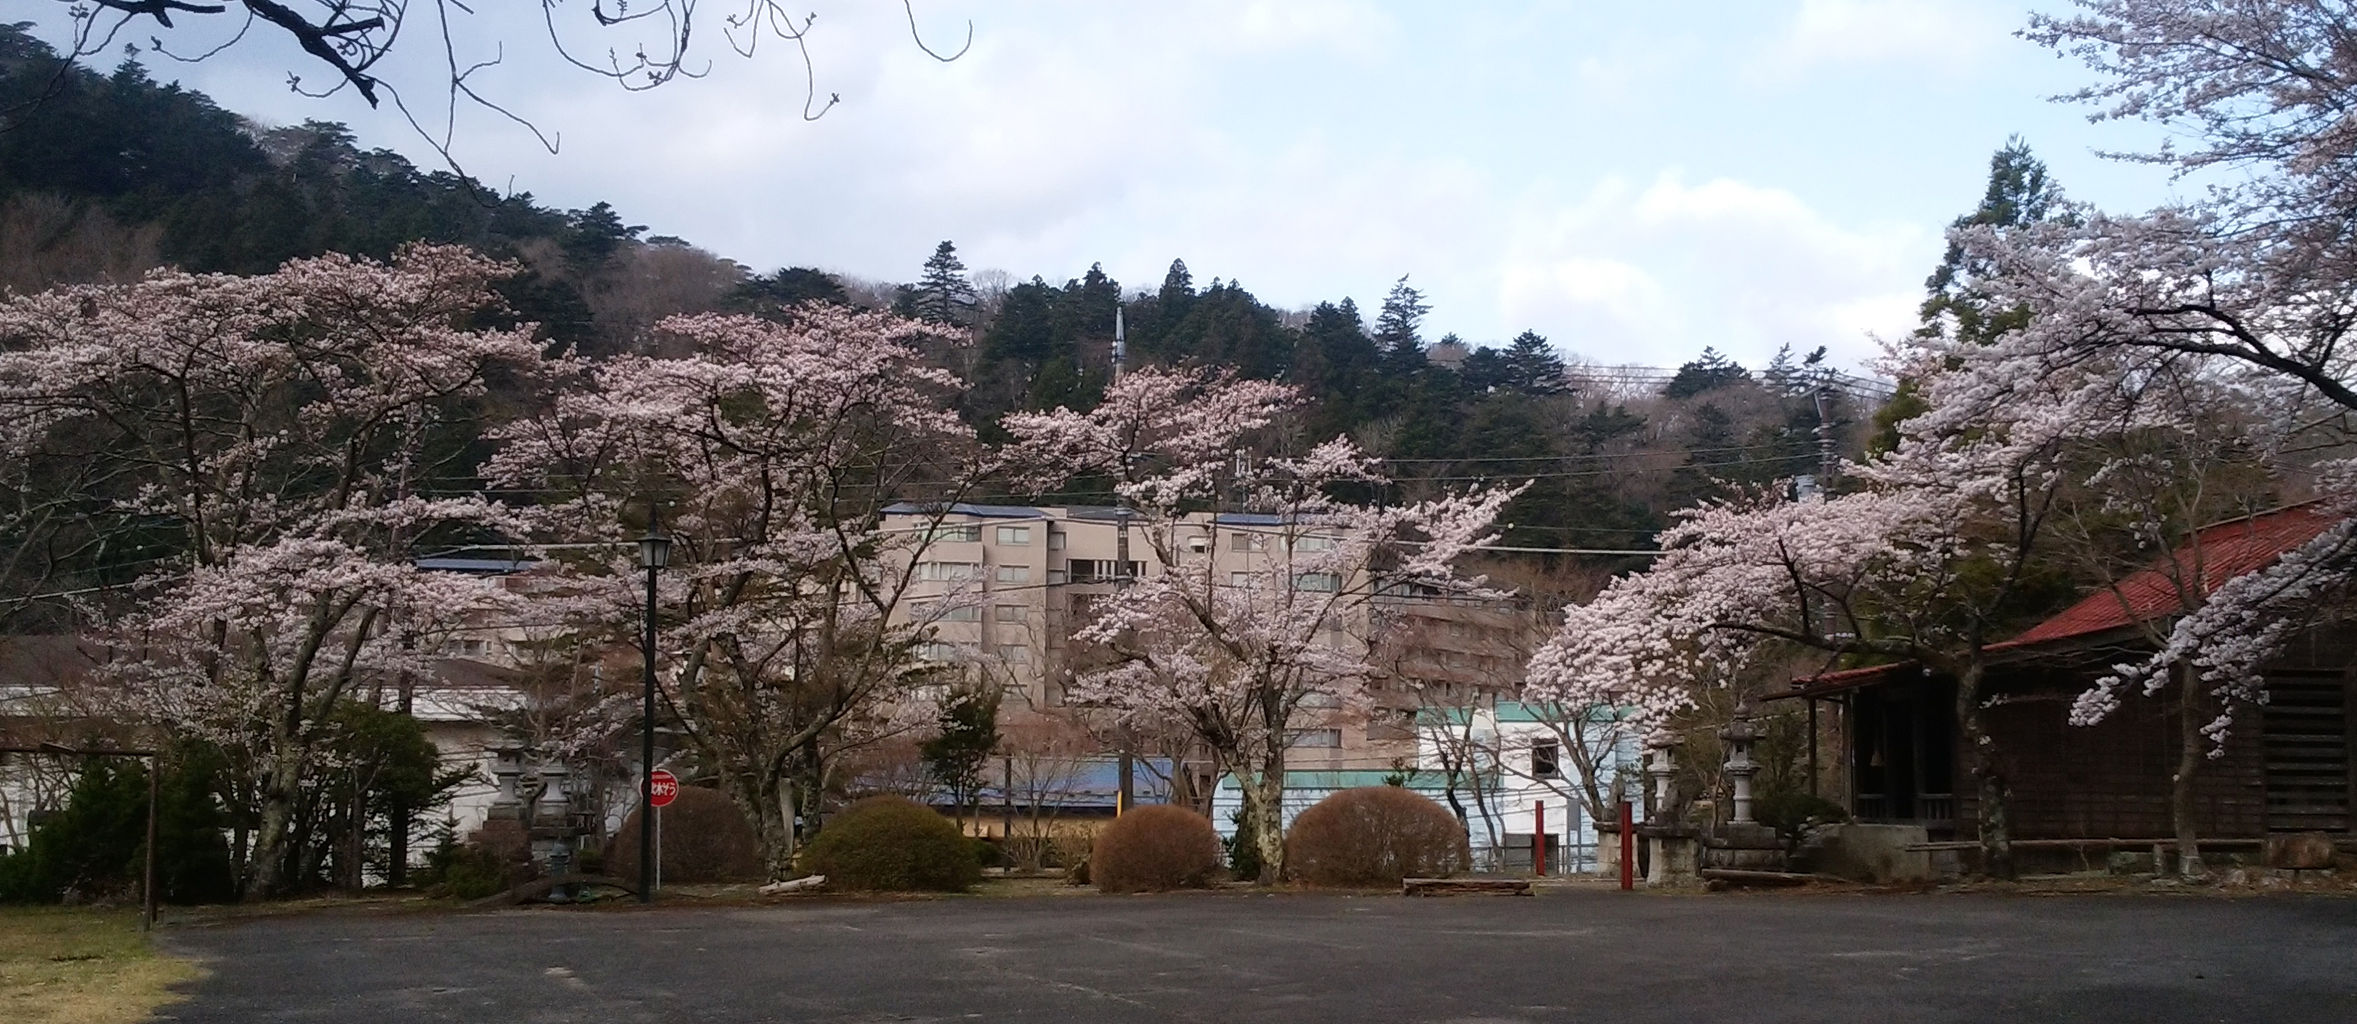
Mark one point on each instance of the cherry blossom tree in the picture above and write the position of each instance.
(267, 452)
(1929, 560)
(1246, 641)
(2250, 287)
(794, 626)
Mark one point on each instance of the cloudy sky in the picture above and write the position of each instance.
(1634, 181)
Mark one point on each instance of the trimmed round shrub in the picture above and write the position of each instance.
(1155, 848)
(706, 839)
(892, 844)
(1375, 836)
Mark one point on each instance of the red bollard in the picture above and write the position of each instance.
(1538, 844)
(1628, 847)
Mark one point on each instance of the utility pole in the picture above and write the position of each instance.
(1828, 460)
(1123, 798)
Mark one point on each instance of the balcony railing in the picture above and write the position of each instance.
(1930, 809)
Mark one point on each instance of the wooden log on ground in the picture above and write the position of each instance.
(1738, 876)
(1464, 887)
(540, 887)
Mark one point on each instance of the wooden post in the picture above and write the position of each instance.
(1538, 843)
(1628, 845)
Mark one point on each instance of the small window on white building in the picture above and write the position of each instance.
(967, 532)
(1014, 574)
(1313, 544)
(1014, 535)
(941, 571)
(1544, 760)
(1009, 613)
(1055, 539)
(1015, 654)
(1318, 582)
(1198, 544)
(1242, 542)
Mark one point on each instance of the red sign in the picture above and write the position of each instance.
(662, 788)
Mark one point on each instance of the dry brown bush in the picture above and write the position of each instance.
(705, 838)
(1155, 849)
(1374, 836)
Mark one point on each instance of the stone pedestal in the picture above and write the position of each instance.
(1745, 846)
(1673, 856)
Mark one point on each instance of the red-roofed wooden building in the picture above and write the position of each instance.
(2288, 767)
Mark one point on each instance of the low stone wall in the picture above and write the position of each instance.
(1875, 854)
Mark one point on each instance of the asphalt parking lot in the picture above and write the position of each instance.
(1304, 959)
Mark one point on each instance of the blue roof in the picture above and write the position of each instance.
(1517, 711)
(1251, 519)
(1093, 783)
(1350, 779)
(960, 508)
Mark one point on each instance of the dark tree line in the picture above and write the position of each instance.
(220, 194)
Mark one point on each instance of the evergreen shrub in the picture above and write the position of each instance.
(1375, 836)
(892, 844)
(706, 839)
(1155, 848)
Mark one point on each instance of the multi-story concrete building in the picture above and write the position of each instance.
(1006, 586)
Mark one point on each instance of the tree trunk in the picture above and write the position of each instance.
(1264, 800)
(768, 799)
(2189, 759)
(266, 864)
(1992, 792)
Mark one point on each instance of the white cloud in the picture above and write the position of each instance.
(1949, 35)
(1656, 273)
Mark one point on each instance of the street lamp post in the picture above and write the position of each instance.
(654, 551)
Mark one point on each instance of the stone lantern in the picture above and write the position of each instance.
(507, 766)
(1738, 736)
(1661, 765)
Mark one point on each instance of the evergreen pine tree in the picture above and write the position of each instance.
(1396, 328)
(943, 295)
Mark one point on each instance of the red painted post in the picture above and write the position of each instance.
(1538, 844)
(1628, 847)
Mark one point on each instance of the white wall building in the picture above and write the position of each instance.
(1503, 766)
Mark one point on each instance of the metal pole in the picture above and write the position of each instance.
(646, 761)
(658, 846)
(147, 893)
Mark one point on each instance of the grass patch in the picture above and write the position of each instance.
(76, 966)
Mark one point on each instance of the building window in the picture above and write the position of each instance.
(1241, 542)
(1055, 539)
(958, 532)
(1543, 760)
(1240, 579)
(942, 652)
(1319, 582)
(1010, 613)
(1014, 574)
(952, 613)
(1016, 535)
(1015, 654)
(1314, 738)
(1197, 545)
(1100, 570)
(940, 571)
(1313, 544)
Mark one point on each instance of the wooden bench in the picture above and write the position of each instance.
(1464, 887)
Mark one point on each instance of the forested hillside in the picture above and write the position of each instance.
(103, 176)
